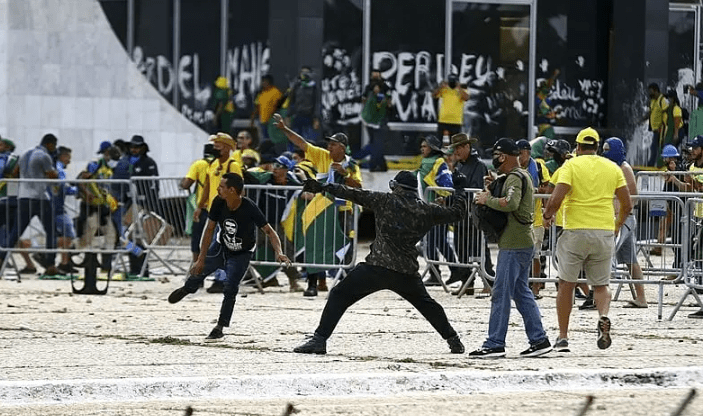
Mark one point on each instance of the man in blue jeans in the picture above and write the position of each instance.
(238, 218)
(515, 246)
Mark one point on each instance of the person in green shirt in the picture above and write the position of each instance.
(514, 257)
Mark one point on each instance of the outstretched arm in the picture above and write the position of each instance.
(292, 136)
(276, 244)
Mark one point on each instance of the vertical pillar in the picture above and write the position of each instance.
(639, 56)
(295, 34)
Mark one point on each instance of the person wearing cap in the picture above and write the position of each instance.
(377, 101)
(238, 219)
(33, 199)
(333, 166)
(197, 174)
(467, 237)
(98, 203)
(451, 107)
(433, 171)
(223, 145)
(516, 246)
(540, 181)
(273, 203)
(626, 243)
(587, 242)
(672, 183)
(222, 105)
(402, 219)
(8, 165)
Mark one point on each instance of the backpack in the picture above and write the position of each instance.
(10, 164)
(491, 221)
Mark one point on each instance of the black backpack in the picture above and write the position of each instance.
(491, 221)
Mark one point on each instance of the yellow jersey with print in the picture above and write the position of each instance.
(215, 172)
(593, 180)
(322, 160)
(268, 102)
(678, 114)
(698, 209)
(451, 111)
(198, 174)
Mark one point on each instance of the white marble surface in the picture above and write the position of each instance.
(63, 70)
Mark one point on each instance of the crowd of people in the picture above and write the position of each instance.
(231, 224)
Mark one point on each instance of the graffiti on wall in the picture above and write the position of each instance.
(340, 87)
(243, 68)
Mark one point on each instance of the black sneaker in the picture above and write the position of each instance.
(604, 340)
(215, 335)
(697, 315)
(561, 345)
(588, 304)
(497, 352)
(455, 345)
(177, 295)
(217, 287)
(310, 292)
(315, 345)
(537, 349)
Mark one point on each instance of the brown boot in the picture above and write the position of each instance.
(322, 285)
(293, 282)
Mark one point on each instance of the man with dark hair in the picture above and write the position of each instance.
(265, 105)
(302, 107)
(516, 246)
(34, 199)
(238, 218)
(657, 106)
(402, 219)
(587, 241)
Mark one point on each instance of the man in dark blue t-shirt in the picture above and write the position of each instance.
(238, 218)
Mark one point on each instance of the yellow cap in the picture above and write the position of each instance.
(588, 136)
(222, 82)
(252, 154)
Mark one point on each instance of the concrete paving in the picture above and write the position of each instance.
(131, 352)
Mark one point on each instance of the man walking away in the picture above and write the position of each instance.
(588, 238)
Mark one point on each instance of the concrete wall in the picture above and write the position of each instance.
(63, 70)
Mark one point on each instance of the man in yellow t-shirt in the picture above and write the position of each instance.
(588, 238)
(197, 174)
(333, 166)
(451, 109)
(265, 104)
(657, 106)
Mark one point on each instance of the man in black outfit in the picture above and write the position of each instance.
(402, 219)
(238, 218)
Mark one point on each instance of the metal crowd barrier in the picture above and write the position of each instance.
(459, 246)
(161, 214)
(317, 232)
(67, 214)
(692, 253)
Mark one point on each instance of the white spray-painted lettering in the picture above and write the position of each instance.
(340, 87)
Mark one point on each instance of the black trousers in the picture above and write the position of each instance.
(365, 279)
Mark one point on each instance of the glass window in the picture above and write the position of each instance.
(116, 13)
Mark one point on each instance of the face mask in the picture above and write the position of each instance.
(496, 162)
(112, 164)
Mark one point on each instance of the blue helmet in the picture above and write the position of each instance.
(614, 149)
(670, 151)
(696, 142)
